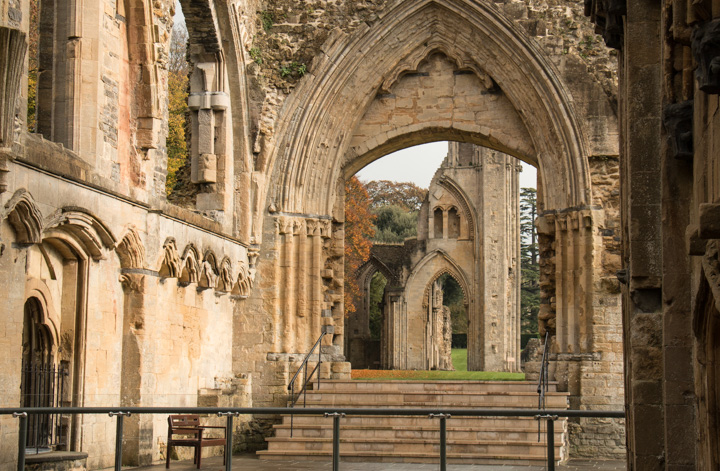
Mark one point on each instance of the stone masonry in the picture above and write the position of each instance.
(146, 303)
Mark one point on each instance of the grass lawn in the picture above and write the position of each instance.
(459, 358)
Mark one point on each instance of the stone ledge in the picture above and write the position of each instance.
(55, 456)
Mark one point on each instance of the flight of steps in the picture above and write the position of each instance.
(476, 440)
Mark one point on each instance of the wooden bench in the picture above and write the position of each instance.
(190, 433)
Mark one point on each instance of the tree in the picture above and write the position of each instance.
(33, 41)
(528, 213)
(377, 292)
(529, 287)
(359, 231)
(394, 224)
(405, 195)
(178, 70)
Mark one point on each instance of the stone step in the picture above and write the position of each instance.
(489, 423)
(454, 458)
(425, 399)
(444, 386)
(404, 446)
(399, 402)
(430, 432)
(478, 440)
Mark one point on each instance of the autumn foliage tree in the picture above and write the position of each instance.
(359, 231)
(33, 41)
(178, 71)
(405, 195)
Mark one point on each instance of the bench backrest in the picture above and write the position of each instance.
(183, 421)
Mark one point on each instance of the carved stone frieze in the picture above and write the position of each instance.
(711, 269)
(678, 123)
(225, 279)
(706, 52)
(170, 267)
(191, 265)
(131, 250)
(244, 282)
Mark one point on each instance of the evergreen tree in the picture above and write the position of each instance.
(530, 287)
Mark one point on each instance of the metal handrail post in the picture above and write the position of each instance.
(443, 439)
(118, 437)
(336, 438)
(22, 439)
(228, 438)
(551, 443)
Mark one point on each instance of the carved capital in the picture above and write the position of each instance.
(133, 283)
(706, 52)
(678, 123)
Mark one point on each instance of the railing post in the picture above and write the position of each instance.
(228, 437)
(550, 439)
(118, 437)
(22, 438)
(336, 438)
(443, 439)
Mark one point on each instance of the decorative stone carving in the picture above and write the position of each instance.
(24, 217)
(711, 269)
(208, 278)
(132, 282)
(170, 267)
(244, 282)
(191, 266)
(678, 123)
(131, 250)
(709, 221)
(225, 281)
(208, 272)
(706, 51)
(86, 228)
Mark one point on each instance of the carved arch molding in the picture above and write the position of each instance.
(207, 271)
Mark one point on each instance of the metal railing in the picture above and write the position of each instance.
(336, 413)
(307, 379)
(42, 386)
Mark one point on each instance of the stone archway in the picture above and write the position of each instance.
(340, 118)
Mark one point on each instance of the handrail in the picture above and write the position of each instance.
(303, 390)
(229, 413)
(543, 383)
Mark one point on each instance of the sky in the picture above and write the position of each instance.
(418, 165)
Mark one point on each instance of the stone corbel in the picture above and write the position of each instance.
(709, 221)
(24, 217)
(694, 244)
(678, 123)
(706, 52)
(5, 158)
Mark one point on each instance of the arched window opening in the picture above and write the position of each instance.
(42, 383)
(453, 224)
(438, 223)
(178, 169)
(453, 299)
(376, 295)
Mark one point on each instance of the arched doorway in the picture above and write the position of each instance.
(43, 379)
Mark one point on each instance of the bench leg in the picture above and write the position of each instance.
(199, 456)
(167, 459)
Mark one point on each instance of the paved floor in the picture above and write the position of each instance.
(250, 462)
